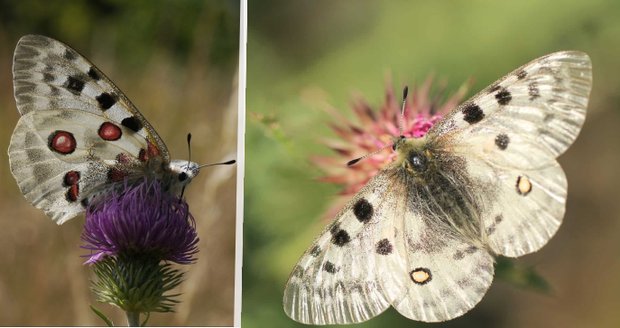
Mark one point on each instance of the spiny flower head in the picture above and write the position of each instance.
(142, 219)
(376, 129)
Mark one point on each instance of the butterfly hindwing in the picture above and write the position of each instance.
(444, 275)
(60, 158)
(527, 208)
(48, 74)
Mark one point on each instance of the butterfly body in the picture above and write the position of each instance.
(436, 178)
(422, 234)
(79, 137)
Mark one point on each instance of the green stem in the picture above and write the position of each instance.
(133, 319)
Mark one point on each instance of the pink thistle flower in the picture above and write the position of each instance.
(375, 130)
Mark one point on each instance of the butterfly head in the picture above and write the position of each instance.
(413, 154)
(183, 171)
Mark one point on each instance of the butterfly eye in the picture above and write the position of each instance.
(398, 141)
(418, 161)
(182, 176)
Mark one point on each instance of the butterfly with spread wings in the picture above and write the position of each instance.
(79, 135)
(421, 236)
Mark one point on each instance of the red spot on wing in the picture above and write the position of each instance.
(71, 178)
(150, 152)
(62, 142)
(109, 131)
(73, 193)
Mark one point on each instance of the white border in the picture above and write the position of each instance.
(240, 160)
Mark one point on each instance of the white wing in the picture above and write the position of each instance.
(48, 74)
(336, 280)
(542, 104)
(510, 134)
(377, 253)
(62, 183)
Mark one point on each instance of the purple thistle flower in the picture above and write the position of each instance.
(141, 220)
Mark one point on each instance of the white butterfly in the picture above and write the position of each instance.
(79, 135)
(421, 236)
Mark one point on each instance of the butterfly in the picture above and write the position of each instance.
(422, 234)
(79, 136)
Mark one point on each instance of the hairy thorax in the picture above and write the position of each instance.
(442, 192)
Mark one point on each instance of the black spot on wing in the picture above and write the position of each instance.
(69, 54)
(494, 88)
(330, 267)
(132, 123)
(106, 100)
(339, 236)
(501, 141)
(363, 210)
(384, 247)
(472, 113)
(93, 74)
(315, 251)
(533, 91)
(74, 85)
(521, 74)
(503, 97)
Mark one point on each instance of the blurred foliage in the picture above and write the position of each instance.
(177, 61)
(174, 24)
(305, 56)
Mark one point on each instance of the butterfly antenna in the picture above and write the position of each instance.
(401, 121)
(354, 161)
(189, 148)
(232, 161)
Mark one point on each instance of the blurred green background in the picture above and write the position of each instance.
(304, 56)
(177, 61)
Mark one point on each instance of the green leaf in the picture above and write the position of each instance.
(102, 316)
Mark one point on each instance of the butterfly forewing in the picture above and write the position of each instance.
(48, 74)
(337, 279)
(543, 103)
